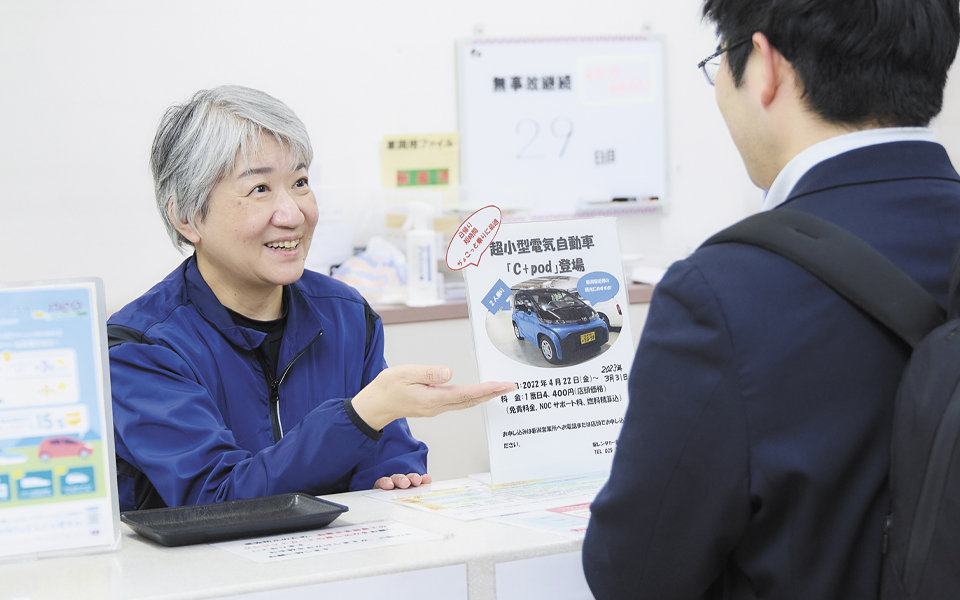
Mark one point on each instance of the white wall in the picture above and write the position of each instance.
(83, 85)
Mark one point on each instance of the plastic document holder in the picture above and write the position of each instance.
(233, 519)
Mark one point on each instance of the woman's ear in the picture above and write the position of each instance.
(183, 226)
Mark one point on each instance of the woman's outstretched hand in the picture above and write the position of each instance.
(420, 391)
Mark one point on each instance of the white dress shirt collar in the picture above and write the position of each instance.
(821, 151)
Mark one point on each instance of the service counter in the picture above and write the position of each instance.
(465, 559)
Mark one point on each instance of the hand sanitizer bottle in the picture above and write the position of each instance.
(421, 256)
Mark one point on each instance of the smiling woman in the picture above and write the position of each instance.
(241, 374)
(257, 232)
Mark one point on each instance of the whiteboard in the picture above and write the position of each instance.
(569, 121)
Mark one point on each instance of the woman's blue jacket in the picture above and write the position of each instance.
(198, 419)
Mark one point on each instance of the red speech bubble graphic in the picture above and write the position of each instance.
(472, 237)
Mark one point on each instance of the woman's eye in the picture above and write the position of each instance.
(260, 189)
(302, 182)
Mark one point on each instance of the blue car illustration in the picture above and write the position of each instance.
(561, 325)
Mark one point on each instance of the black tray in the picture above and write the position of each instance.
(232, 519)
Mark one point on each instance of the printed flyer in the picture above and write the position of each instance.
(548, 309)
(57, 471)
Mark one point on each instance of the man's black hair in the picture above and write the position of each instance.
(860, 62)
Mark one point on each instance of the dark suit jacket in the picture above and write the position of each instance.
(753, 458)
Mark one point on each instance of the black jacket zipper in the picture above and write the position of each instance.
(273, 383)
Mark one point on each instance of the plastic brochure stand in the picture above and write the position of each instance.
(58, 490)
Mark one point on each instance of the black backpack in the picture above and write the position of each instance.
(922, 532)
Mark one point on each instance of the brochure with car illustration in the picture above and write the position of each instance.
(57, 467)
(548, 309)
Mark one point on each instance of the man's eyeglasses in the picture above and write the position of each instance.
(711, 64)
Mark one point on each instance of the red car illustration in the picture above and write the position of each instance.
(56, 447)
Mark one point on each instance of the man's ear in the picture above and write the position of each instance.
(774, 68)
(183, 226)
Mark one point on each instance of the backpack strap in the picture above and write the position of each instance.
(953, 308)
(844, 262)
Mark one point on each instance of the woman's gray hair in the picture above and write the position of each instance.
(197, 144)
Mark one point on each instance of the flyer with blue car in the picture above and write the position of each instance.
(549, 310)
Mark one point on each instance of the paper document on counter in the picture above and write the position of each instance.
(469, 499)
(328, 540)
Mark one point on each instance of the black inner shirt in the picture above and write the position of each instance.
(270, 348)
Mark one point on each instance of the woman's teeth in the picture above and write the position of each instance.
(283, 245)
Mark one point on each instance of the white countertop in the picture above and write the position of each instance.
(140, 568)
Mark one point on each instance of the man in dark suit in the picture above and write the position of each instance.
(753, 458)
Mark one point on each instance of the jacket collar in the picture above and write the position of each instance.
(881, 162)
(308, 321)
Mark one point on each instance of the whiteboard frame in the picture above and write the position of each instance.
(534, 198)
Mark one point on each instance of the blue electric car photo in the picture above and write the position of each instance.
(561, 325)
